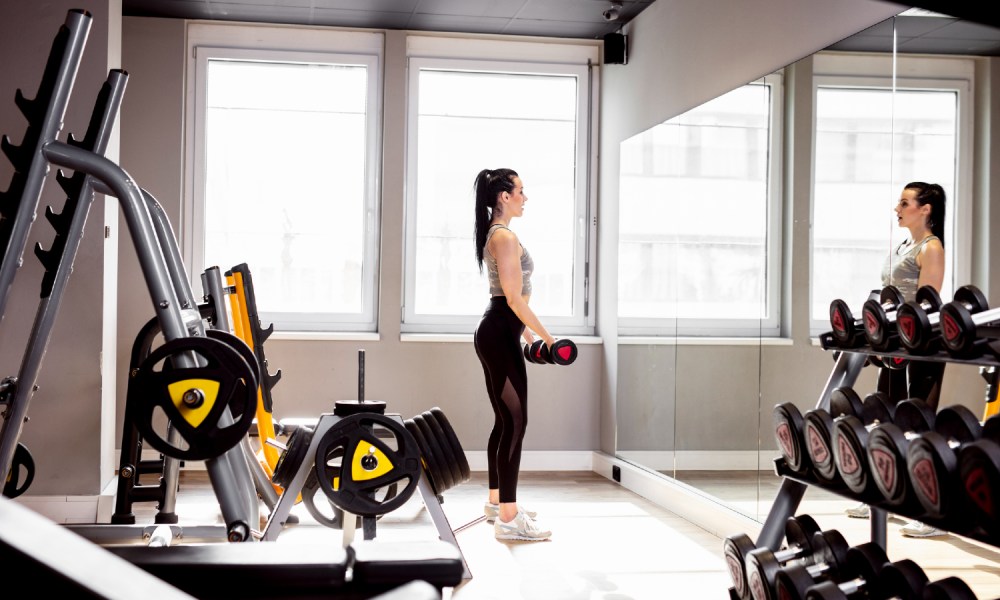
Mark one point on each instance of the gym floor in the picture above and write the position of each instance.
(609, 543)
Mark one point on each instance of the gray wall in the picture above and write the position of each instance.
(65, 434)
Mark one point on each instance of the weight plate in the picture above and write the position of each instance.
(446, 449)
(932, 467)
(845, 401)
(849, 439)
(436, 453)
(788, 425)
(21, 474)
(902, 579)
(887, 447)
(818, 435)
(735, 549)
(430, 468)
(456, 446)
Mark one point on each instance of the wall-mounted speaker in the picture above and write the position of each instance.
(615, 49)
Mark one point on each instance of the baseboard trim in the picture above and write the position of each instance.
(74, 510)
(702, 460)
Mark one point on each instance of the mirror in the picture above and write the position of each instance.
(696, 391)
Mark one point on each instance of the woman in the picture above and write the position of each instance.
(916, 262)
(499, 198)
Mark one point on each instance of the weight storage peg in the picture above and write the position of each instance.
(879, 317)
(850, 442)
(737, 549)
(932, 459)
(917, 322)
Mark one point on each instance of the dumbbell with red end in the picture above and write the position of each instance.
(879, 318)
(917, 320)
(848, 332)
(850, 442)
(817, 432)
(932, 459)
(888, 444)
(827, 558)
(563, 352)
(968, 328)
(799, 533)
(979, 473)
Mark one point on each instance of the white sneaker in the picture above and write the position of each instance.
(521, 527)
(492, 510)
(919, 530)
(860, 511)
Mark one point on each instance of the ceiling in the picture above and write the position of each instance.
(917, 31)
(547, 18)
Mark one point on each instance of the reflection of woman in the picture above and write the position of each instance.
(499, 198)
(916, 262)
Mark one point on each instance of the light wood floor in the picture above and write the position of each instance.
(609, 543)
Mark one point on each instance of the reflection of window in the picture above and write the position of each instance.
(286, 171)
(869, 143)
(469, 115)
(696, 238)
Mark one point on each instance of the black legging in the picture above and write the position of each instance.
(498, 345)
(920, 379)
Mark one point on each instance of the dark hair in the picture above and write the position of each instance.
(933, 194)
(489, 184)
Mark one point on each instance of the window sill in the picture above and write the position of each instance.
(702, 341)
(583, 340)
(326, 336)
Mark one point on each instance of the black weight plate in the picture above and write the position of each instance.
(957, 329)
(456, 446)
(799, 532)
(369, 464)
(866, 561)
(793, 581)
(891, 298)
(788, 426)
(830, 548)
(818, 433)
(842, 323)
(876, 408)
(914, 327)
(887, 447)
(457, 473)
(956, 422)
(240, 346)
(902, 580)
(932, 466)
(346, 408)
(330, 515)
(928, 299)
(22, 462)
(291, 459)
(436, 454)
(433, 429)
(845, 401)
(972, 298)
(949, 588)
(430, 469)
(876, 323)
(735, 550)
(762, 567)
(849, 439)
(914, 415)
(979, 470)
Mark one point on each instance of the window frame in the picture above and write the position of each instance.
(496, 56)
(906, 73)
(770, 325)
(267, 44)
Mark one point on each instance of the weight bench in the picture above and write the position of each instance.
(298, 571)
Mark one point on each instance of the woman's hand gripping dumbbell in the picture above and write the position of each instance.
(562, 352)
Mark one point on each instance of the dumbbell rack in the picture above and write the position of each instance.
(846, 370)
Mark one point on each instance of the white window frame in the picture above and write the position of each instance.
(911, 72)
(250, 42)
(518, 57)
(769, 325)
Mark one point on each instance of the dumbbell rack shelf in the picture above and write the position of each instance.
(847, 367)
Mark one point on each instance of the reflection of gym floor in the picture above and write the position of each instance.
(607, 543)
(977, 563)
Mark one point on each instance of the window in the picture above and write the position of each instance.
(466, 115)
(699, 250)
(870, 140)
(285, 169)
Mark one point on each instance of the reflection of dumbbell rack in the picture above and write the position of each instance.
(846, 370)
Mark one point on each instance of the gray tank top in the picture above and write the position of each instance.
(901, 269)
(527, 266)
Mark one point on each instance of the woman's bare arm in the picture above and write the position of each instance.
(506, 249)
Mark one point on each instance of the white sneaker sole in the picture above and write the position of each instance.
(523, 538)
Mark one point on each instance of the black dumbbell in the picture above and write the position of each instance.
(788, 435)
(916, 322)
(949, 588)
(848, 332)
(817, 432)
(563, 352)
(826, 556)
(932, 458)
(879, 318)
(889, 442)
(979, 473)
(875, 578)
(968, 327)
(850, 440)
(737, 549)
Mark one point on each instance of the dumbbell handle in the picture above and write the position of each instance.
(986, 316)
(786, 554)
